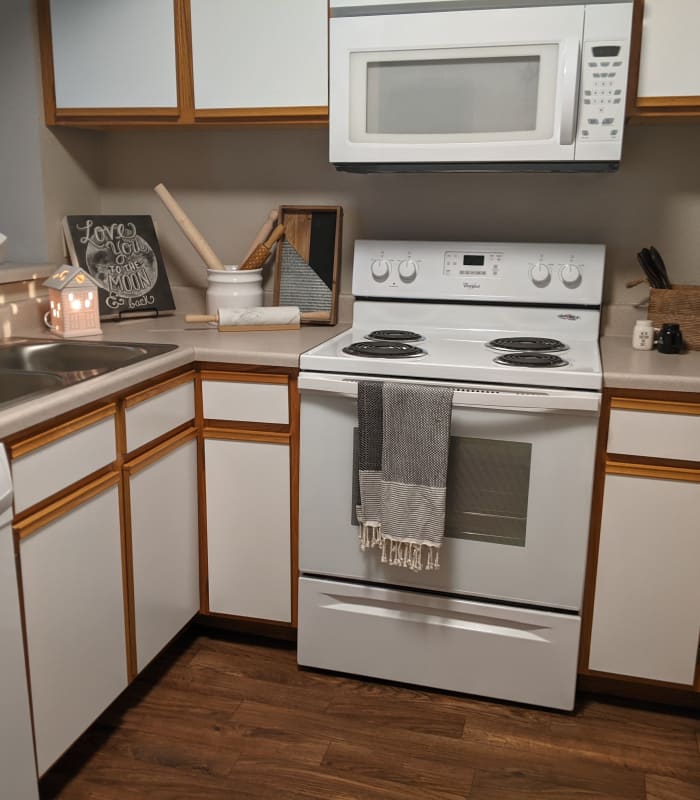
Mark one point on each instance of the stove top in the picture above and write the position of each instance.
(457, 344)
(479, 312)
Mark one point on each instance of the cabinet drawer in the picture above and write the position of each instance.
(246, 401)
(156, 411)
(496, 651)
(51, 461)
(655, 430)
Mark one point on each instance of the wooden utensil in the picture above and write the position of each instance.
(187, 227)
(263, 233)
(259, 318)
(261, 253)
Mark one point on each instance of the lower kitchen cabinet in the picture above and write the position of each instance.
(643, 593)
(647, 599)
(248, 526)
(162, 518)
(72, 584)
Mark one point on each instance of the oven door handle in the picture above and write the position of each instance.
(473, 397)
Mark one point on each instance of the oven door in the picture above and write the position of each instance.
(498, 85)
(520, 475)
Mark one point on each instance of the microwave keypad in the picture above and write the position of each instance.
(602, 109)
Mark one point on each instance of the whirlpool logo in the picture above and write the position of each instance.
(569, 317)
(471, 285)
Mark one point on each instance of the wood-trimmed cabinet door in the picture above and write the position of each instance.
(260, 60)
(72, 586)
(109, 59)
(248, 527)
(646, 613)
(163, 535)
(669, 59)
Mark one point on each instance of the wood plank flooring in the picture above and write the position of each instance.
(223, 717)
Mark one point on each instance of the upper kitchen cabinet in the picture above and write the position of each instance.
(668, 83)
(254, 60)
(170, 62)
(109, 60)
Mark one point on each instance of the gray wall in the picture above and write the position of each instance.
(227, 181)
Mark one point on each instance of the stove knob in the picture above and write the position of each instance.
(380, 269)
(571, 276)
(408, 271)
(540, 275)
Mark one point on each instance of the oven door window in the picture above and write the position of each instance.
(454, 95)
(487, 490)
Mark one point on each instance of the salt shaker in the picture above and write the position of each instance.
(643, 335)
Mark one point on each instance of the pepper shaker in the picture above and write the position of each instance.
(643, 335)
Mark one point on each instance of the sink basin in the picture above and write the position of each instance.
(21, 385)
(86, 357)
(30, 366)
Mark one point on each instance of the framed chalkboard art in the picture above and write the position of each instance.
(123, 256)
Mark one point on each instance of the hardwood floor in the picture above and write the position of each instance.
(217, 717)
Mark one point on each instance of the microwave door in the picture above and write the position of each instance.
(451, 87)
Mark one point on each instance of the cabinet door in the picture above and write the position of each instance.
(646, 615)
(74, 612)
(165, 545)
(248, 528)
(113, 55)
(248, 54)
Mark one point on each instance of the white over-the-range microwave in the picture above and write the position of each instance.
(473, 85)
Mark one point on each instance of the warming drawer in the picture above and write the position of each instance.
(430, 640)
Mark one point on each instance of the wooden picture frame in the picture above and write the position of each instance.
(307, 262)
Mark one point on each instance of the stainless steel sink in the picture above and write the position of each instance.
(30, 366)
(21, 385)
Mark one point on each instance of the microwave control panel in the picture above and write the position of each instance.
(603, 84)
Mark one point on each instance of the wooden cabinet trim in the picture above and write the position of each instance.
(25, 446)
(128, 579)
(652, 471)
(162, 449)
(661, 406)
(46, 53)
(294, 416)
(242, 435)
(183, 60)
(160, 387)
(64, 504)
(244, 377)
(308, 114)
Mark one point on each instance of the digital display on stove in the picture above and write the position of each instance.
(606, 51)
(473, 261)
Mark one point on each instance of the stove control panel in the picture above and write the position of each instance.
(479, 271)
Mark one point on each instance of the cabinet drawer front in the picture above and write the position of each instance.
(458, 645)
(74, 613)
(245, 401)
(654, 434)
(158, 414)
(646, 613)
(56, 465)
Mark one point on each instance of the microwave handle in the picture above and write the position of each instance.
(569, 91)
(463, 398)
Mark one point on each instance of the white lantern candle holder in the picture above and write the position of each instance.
(74, 303)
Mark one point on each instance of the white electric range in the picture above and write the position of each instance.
(513, 329)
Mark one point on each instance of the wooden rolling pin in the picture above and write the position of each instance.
(260, 254)
(197, 241)
(259, 318)
(263, 233)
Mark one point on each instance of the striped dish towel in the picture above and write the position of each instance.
(403, 488)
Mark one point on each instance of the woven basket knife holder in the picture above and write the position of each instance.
(681, 305)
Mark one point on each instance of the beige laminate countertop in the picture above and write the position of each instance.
(626, 368)
(195, 342)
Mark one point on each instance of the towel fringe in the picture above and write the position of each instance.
(416, 557)
(370, 534)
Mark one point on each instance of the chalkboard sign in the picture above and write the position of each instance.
(123, 256)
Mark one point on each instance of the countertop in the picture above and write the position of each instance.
(195, 342)
(626, 368)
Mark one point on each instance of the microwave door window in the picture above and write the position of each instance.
(464, 95)
(487, 490)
